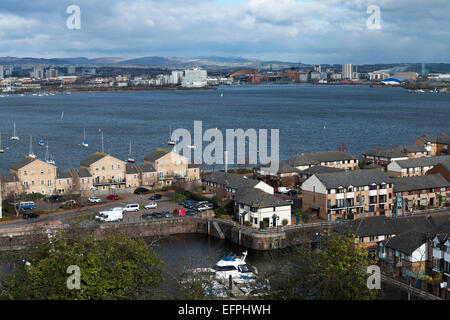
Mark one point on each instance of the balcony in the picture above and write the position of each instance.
(346, 205)
(108, 182)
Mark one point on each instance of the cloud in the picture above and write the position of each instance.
(327, 31)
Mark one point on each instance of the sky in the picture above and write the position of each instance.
(308, 31)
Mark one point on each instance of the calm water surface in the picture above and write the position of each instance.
(360, 116)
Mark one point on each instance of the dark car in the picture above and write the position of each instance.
(30, 215)
(55, 198)
(156, 196)
(141, 191)
(147, 216)
(157, 215)
(190, 212)
(68, 204)
(292, 193)
(166, 214)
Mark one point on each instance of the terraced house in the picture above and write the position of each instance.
(414, 167)
(383, 157)
(107, 172)
(348, 194)
(436, 146)
(429, 191)
(334, 159)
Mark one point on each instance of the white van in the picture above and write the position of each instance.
(133, 207)
(113, 214)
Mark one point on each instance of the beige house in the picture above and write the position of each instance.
(171, 166)
(35, 176)
(10, 185)
(64, 182)
(148, 175)
(107, 172)
(82, 180)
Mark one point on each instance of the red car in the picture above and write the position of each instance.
(179, 212)
(113, 197)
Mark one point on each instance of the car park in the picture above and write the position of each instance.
(151, 205)
(30, 215)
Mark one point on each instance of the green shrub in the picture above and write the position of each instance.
(263, 225)
(247, 224)
(284, 222)
(178, 198)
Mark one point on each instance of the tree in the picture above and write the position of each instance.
(341, 270)
(116, 267)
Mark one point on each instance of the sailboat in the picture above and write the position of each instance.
(85, 143)
(14, 137)
(41, 143)
(130, 158)
(30, 153)
(62, 115)
(171, 142)
(1, 150)
(48, 157)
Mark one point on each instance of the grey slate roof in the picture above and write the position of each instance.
(283, 167)
(441, 138)
(422, 162)
(83, 173)
(22, 163)
(231, 180)
(257, 198)
(320, 169)
(315, 158)
(442, 231)
(394, 152)
(155, 155)
(407, 242)
(420, 182)
(356, 178)
(9, 177)
(146, 168)
(63, 174)
(131, 169)
(446, 165)
(92, 159)
(382, 225)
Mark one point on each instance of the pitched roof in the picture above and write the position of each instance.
(442, 232)
(131, 169)
(9, 177)
(394, 152)
(146, 168)
(22, 163)
(231, 180)
(257, 198)
(356, 178)
(422, 162)
(283, 167)
(420, 182)
(83, 173)
(315, 158)
(92, 158)
(155, 155)
(63, 174)
(320, 169)
(441, 138)
(446, 165)
(407, 242)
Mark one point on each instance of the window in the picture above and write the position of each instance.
(373, 187)
(42, 171)
(103, 168)
(25, 172)
(112, 167)
(254, 209)
(42, 182)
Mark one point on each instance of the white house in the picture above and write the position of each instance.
(255, 205)
(441, 253)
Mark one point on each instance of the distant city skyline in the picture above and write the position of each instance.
(309, 31)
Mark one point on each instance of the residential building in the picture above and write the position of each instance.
(83, 181)
(348, 194)
(225, 184)
(441, 168)
(10, 185)
(35, 176)
(148, 175)
(334, 159)
(415, 166)
(51, 74)
(435, 146)
(385, 156)
(286, 175)
(171, 166)
(194, 77)
(440, 244)
(107, 172)
(255, 205)
(64, 182)
(2, 73)
(416, 192)
(347, 72)
(38, 72)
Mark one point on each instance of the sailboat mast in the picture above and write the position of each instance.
(102, 144)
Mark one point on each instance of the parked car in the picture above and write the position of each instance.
(30, 215)
(55, 198)
(94, 200)
(132, 207)
(166, 214)
(282, 190)
(179, 212)
(68, 204)
(191, 212)
(113, 197)
(113, 214)
(141, 191)
(151, 205)
(202, 207)
(147, 216)
(156, 196)
(292, 193)
(157, 215)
